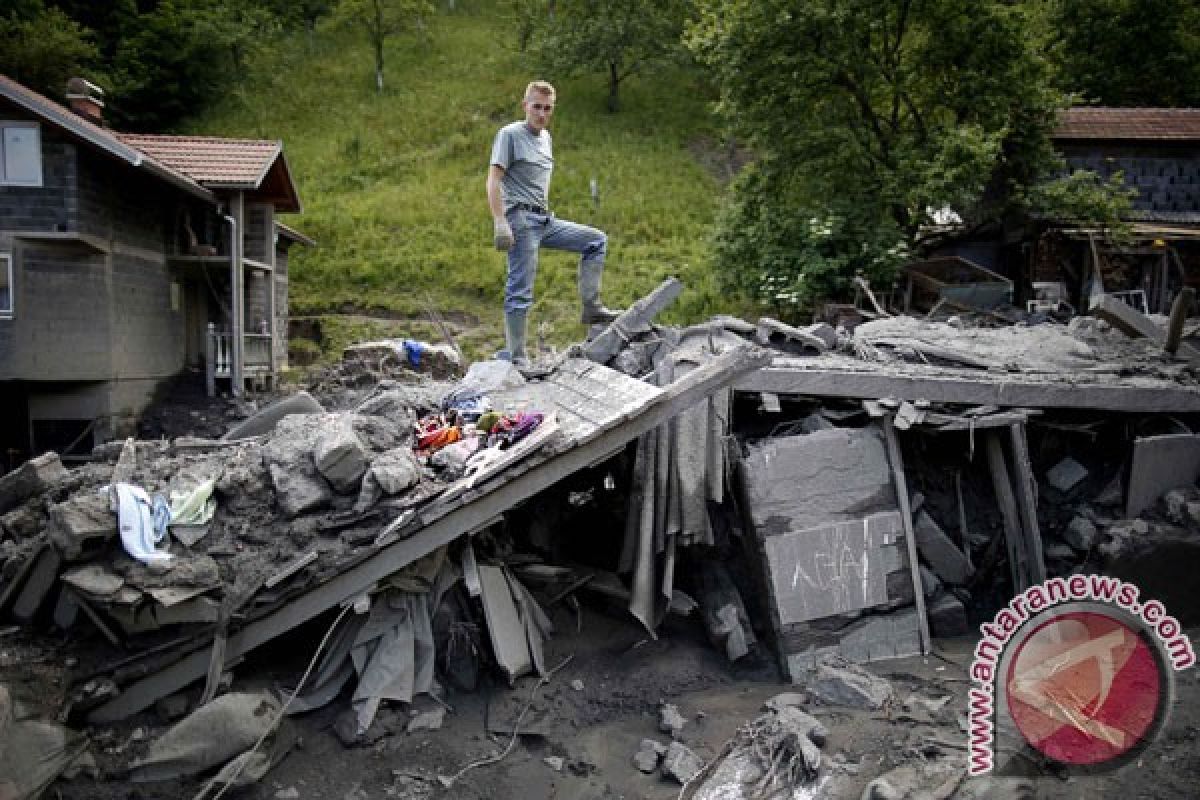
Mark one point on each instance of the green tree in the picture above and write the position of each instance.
(1127, 52)
(620, 38)
(382, 20)
(43, 47)
(867, 117)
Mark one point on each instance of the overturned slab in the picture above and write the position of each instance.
(459, 512)
(840, 376)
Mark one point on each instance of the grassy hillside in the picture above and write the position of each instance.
(393, 183)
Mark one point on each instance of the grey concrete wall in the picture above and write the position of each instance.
(260, 232)
(281, 306)
(49, 207)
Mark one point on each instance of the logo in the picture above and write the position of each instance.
(1076, 670)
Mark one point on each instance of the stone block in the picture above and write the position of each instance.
(340, 456)
(1066, 474)
(947, 616)
(31, 478)
(681, 763)
(1081, 534)
(840, 683)
(82, 522)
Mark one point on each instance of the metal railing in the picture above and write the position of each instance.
(218, 362)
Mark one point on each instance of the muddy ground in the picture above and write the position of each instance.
(592, 715)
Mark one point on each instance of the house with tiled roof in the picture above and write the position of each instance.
(126, 260)
(1156, 153)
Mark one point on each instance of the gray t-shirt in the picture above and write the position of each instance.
(528, 161)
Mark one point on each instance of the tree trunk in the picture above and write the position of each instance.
(614, 82)
(379, 65)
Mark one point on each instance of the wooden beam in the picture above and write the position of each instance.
(1013, 538)
(910, 537)
(1026, 485)
(442, 525)
(843, 378)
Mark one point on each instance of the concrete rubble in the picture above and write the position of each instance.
(816, 498)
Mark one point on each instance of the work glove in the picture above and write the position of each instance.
(503, 235)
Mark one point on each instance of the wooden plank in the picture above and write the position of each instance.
(1027, 504)
(1013, 539)
(443, 527)
(910, 536)
(830, 378)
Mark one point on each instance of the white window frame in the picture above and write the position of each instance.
(6, 267)
(6, 125)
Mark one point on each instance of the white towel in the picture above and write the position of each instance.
(135, 518)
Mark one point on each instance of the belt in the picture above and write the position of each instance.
(531, 207)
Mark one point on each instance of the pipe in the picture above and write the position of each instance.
(235, 260)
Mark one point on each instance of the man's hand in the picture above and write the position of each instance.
(503, 235)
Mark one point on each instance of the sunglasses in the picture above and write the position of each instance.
(547, 107)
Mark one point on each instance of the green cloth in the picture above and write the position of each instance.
(195, 507)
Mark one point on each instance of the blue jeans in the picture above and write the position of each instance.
(532, 231)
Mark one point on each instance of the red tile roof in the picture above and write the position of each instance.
(1140, 124)
(210, 160)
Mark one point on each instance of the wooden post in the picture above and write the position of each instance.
(1027, 503)
(910, 537)
(210, 360)
(237, 206)
(1179, 314)
(1008, 510)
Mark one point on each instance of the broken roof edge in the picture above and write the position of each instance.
(469, 512)
(796, 376)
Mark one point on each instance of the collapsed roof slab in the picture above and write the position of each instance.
(467, 509)
(844, 377)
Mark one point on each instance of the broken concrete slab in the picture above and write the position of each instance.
(299, 486)
(773, 333)
(35, 476)
(939, 550)
(38, 585)
(844, 473)
(81, 523)
(670, 720)
(1080, 534)
(341, 457)
(680, 763)
(648, 756)
(636, 319)
(839, 683)
(427, 721)
(802, 724)
(1159, 464)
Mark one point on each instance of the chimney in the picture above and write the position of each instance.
(86, 99)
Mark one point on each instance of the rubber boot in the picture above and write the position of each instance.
(514, 337)
(594, 312)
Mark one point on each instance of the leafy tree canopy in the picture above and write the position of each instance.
(867, 117)
(618, 38)
(43, 47)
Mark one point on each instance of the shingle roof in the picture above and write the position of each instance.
(49, 111)
(1129, 124)
(211, 160)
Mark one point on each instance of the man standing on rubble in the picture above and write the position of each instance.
(518, 188)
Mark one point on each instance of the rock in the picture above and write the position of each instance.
(299, 486)
(785, 699)
(1057, 551)
(991, 787)
(577, 685)
(929, 779)
(840, 683)
(33, 477)
(94, 579)
(290, 793)
(1066, 474)
(340, 456)
(1081, 534)
(648, 755)
(401, 405)
(670, 720)
(24, 522)
(245, 483)
(427, 721)
(390, 473)
(804, 725)
(943, 555)
(554, 762)
(947, 616)
(681, 763)
(79, 523)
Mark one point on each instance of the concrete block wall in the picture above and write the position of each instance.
(48, 207)
(148, 336)
(1166, 179)
(281, 306)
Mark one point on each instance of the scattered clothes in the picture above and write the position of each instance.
(512, 428)
(466, 404)
(195, 507)
(414, 350)
(142, 522)
(435, 432)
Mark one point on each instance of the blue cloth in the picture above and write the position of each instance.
(532, 231)
(414, 350)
